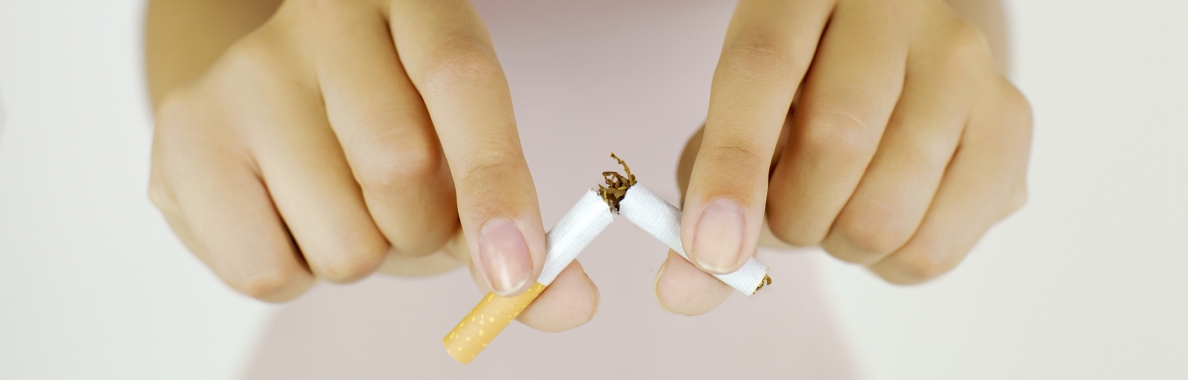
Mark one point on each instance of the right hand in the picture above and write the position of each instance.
(344, 137)
(902, 144)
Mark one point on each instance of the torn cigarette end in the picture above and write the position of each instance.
(662, 220)
(485, 321)
(766, 281)
(616, 185)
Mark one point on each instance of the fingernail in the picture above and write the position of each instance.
(717, 244)
(504, 255)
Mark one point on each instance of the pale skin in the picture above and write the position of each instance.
(321, 140)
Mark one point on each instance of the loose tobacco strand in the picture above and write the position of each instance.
(616, 185)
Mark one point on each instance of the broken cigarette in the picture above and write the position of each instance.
(566, 240)
(663, 221)
(593, 212)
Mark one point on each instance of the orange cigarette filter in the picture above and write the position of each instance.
(485, 321)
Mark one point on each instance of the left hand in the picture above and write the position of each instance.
(903, 146)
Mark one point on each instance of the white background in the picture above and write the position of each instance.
(1089, 281)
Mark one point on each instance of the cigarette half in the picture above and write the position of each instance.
(566, 240)
(663, 221)
(485, 321)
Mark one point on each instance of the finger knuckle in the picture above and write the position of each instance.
(875, 231)
(490, 166)
(736, 153)
(263, 284)
(1018, 198)
(173, 114)
(161, 197)
(920, 264)
(462, 61)
(758, 51)
(256, 56)
(348, 264)
(394, 163)
(175, 108)
(788, 235)
(428, 237)
(1017, 105)
(788, 227)
(838, 134)
(966, 46)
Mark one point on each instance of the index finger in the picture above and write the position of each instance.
(769, 46)
(448, 56)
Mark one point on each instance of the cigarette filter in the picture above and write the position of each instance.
(663, 221)
(566, 240)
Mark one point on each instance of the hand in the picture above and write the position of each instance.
(340, 138)
(879, 130)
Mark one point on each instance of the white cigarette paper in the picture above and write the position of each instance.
(573, 233)
(663, 221)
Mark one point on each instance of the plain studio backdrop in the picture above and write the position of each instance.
(1088, 281)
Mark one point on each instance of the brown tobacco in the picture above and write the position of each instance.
(766, 281)
(616, 185)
